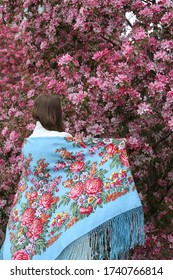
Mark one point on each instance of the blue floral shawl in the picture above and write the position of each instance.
(74, 196)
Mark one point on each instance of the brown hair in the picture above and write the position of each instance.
(47, 110)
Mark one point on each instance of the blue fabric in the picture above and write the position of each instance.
(74, 196)
(1, 253)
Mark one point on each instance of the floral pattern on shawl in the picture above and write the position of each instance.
(37, 220)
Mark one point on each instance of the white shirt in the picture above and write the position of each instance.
(40, 131)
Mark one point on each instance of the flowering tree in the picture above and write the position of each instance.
(111, 61)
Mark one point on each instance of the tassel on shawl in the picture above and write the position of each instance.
(111, 240)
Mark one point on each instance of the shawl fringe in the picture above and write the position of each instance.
(111, 240)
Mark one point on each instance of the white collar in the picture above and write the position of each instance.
(40, 131)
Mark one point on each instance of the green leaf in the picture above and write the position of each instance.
(103, 196)
(24, 205)
(40, 241)
(88, 164)
(74, 208)
(101, 173)
(65, 199)
(115, 162)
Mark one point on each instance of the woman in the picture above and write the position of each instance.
(47, 113)
(76, 197)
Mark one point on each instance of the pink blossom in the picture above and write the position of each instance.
(140, 34)
(121, 79)
(51, 84)
(65, 59)
(44, 45)
(30, 93)
(166, 3)
(2, 203)
(30, 126)
(95, 129)
(144, 108)
(161, 55)
(171, 123)
(13, 136)
(76, 98)
(100, 54)
(166, 18)
(5, 131)
(134, 142)
(169, 95)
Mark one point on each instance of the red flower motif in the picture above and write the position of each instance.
(33, 196)
(117, 183)
(82, 144)
(93, 186)
(77, 166)
(28, 216)
(15, 199)
(76, 190)
(112, 149)
(123, 158)
(46, 200)
(88, 210)
(35, 230)
(99, 200)
(20, 255)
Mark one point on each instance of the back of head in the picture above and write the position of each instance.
(47, 110)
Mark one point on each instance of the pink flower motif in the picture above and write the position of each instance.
(28, 216)
(93, 186)
(123, 174)
(99, 200)
(76, 190)
(124, 158)
(46, 200)
(88, 210)
(15, 198)
(20, 255)
(77, 166)
(35, 229)
(33, 196)
(60, 166)
(111, 149)
(117, 183)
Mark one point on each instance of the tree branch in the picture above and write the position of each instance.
(150, 1)
(110, 41)
(129, 23)
(164, 138)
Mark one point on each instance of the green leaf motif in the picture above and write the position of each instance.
(101, 173)
(65, 199)
(24, 205)
(103, 196)
(74, 208)
(115, 162)
(88, 165)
